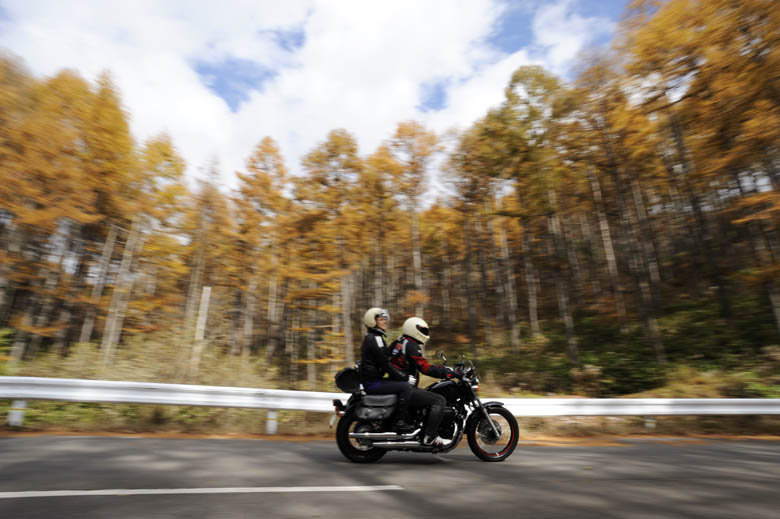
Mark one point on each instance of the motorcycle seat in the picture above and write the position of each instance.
(380, 400)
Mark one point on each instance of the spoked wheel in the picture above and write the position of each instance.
(359, 451)
(483, 440)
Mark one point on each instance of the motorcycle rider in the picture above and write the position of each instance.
(406, 355)
(374, 364)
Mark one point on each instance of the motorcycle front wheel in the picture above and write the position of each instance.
(358, 451)
(483, 440)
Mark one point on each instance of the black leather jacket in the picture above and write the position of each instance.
(373, 358)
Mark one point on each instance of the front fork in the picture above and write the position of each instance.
(487, 415)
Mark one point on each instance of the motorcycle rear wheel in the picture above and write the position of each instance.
(355, 450)
(482, 439)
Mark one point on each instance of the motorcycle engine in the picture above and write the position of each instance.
(448, 423)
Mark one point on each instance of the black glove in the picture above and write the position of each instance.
(450, 373)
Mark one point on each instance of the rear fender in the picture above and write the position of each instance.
(353, 402)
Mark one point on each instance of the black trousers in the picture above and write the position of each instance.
(393, 387)
(435, 402)
(389, 387)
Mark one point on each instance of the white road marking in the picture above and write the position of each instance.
(223, 490)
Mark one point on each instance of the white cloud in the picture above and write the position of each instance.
(362, 64)
(562, 33)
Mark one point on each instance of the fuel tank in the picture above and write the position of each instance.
(446, 388)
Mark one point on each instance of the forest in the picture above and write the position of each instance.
(596, 235)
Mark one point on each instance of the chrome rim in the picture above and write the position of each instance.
(487, 441)
(361, 444)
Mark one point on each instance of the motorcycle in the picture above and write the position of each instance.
(364, 433)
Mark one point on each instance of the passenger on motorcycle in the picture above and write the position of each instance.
(406, 355)
(374, 364)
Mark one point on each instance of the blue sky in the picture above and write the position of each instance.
(233, 79)
(218, 77)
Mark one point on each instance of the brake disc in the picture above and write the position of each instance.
(486, 433)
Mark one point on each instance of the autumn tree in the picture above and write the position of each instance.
(333, 168)
(414, 147)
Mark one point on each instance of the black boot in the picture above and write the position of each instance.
(402, 422)
(402, 426)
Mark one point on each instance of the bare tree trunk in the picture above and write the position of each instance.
(771, 171)
(311, 350)
(594, 253)
(120, 296)
(609, 250)
(469, 285)
(38, 307)
(703, 236)
(13, 240)
(446, 286)
(248, 310)
(276, 336)
(196, 276)
(641, 270)
(20, 340)
(561, 281)
(509, 288)
(335, 318)
(54, 273)
(568, 322)
(378, 275)
(346, 312)
(774, 297)
(76, 287)
(291, 341)
(200, 331)
(236, 332)
(571, 254)
(97, 288)
(417, 260)
(647, 239)
(273, 305)
(61, 336)
(391, 288)
(486, 293)
(531, 283)
(491, 259)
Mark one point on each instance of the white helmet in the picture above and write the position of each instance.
(416, 328)
(371, 315)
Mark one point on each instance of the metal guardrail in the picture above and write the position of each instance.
(640, 406)
(21, 389)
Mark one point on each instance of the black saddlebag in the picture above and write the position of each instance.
(376, 407)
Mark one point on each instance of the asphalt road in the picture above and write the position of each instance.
(647, 478)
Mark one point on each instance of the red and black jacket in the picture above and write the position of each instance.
(406, 356)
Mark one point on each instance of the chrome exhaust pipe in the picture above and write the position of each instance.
(376, 436)
(400, 445)
(384, 435)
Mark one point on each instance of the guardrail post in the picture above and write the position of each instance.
(16, 414)
(649, 422)
(271, 422)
